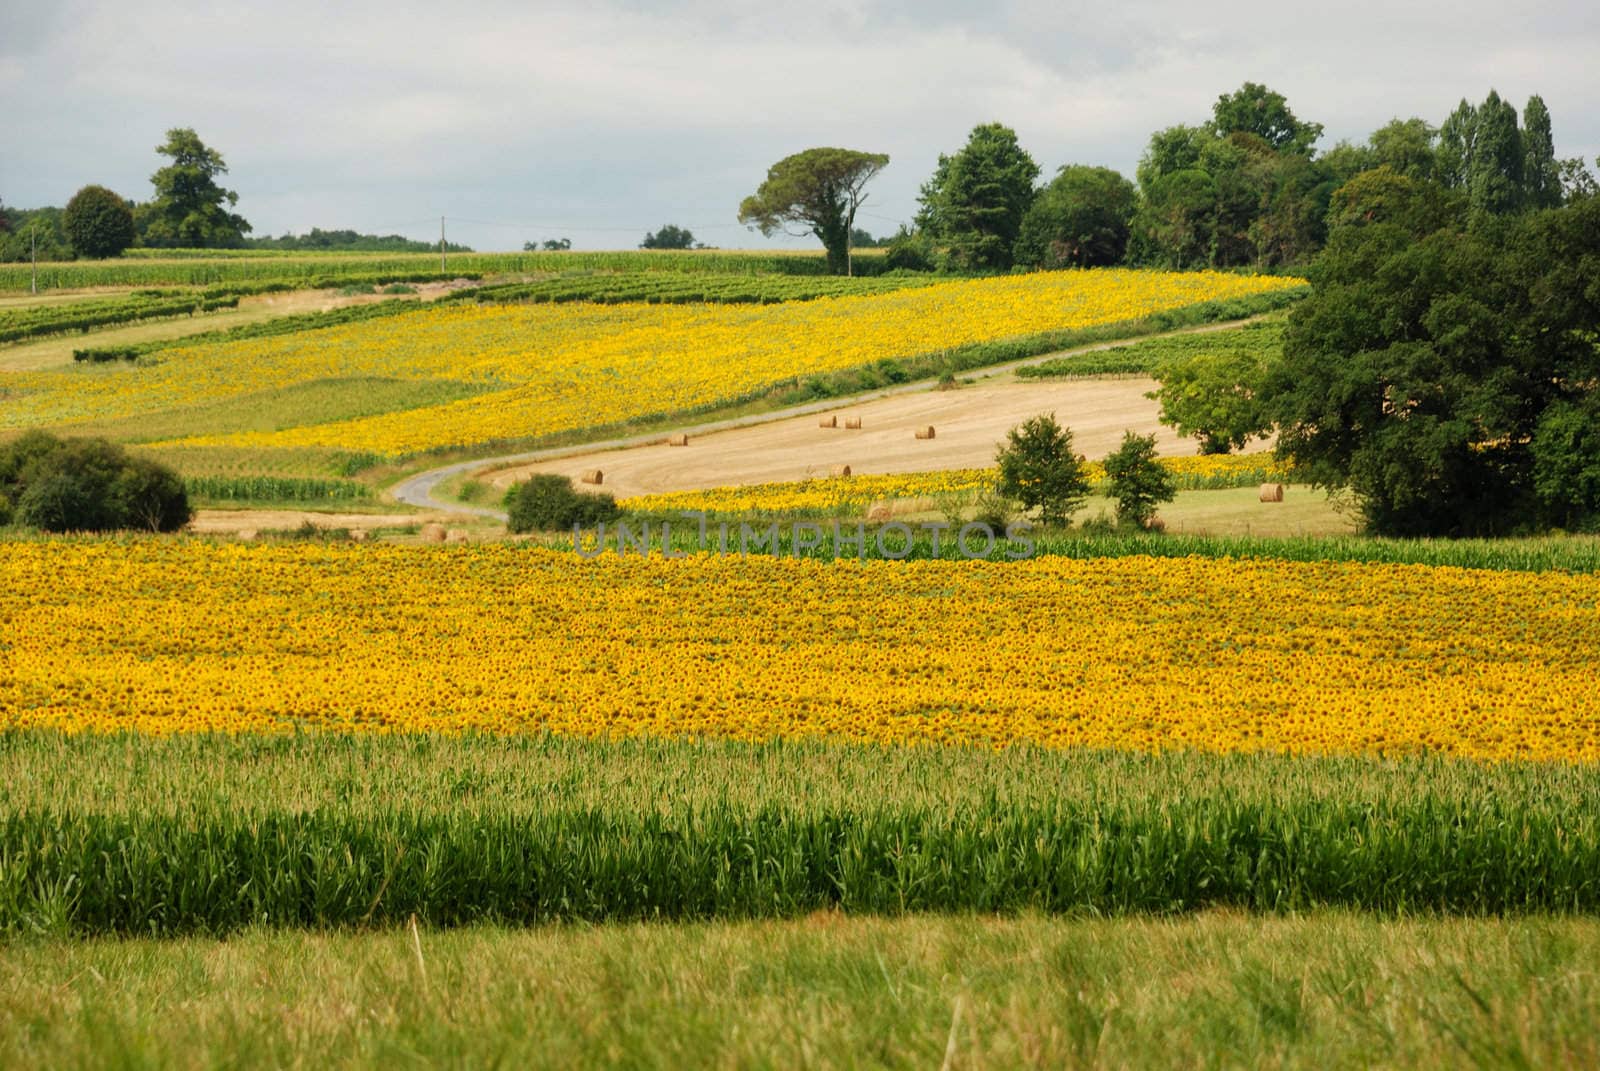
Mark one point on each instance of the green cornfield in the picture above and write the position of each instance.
(215, 268)
(139, 835)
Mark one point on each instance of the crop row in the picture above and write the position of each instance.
(131, 836)
(214, 268)
(1262, 339)
(275, 489)
(677, 287)
(293, 324)
(42, 320)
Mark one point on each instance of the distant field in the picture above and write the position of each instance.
(1263, 339)
(541, 370)
(207, 267)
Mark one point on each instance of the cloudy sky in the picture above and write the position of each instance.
(600, 120)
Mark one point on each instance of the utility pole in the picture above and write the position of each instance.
(441, 245)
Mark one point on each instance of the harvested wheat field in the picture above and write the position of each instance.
(969, 422)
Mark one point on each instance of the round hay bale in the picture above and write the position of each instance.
(839, 470)
(829, 421)
(455, 535)
(853, 422)
(678, 440)
(879, 511)
(925, 432)
(247, 535)
(359, 535)
(594, 476)
(432, 533)
(1272, 492)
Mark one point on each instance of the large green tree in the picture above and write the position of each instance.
(1174, 225)
(1541, 171)
(98, 222)
(1081, 219)
(1494, 181)
(818, 191)
(1384, 196)
(976, 200)
(1255, 109)
(190, 209)
(668, 237)
(1457, 137)
(1406, 147)
(1443, 381)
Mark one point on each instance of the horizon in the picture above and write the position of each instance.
(632, 116)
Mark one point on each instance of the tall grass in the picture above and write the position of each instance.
(135, 835)
(1217, 990)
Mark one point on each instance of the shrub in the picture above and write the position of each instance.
(98, 223)
(1212, 396)
(546, 502)
(995, 510)
(1138, 482)
(911, 251)
(88, 485)
(1039, 469)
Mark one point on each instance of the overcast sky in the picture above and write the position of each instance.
(602, 119)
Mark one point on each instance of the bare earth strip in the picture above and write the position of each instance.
(233, 521)
(968, 424)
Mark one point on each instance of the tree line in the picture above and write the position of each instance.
(1246, 188)
(189, 209)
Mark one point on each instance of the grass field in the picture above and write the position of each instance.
(1323, 990)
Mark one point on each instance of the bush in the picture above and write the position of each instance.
(911, 251)
(98, 223)
(1212, 396)
(1138, 482)
(1039, 469)
(87, 485)
(546, 502)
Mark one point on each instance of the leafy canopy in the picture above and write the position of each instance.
(1445, 382)
(977, 198)
(668, 237)
(819, 191)
(1039, 469)
(190, 209)
(1081, 219)
(98, 223)
(1212, 395)
(1139, 482)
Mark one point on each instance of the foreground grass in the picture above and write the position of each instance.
(212, 834)
(1215, 990)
